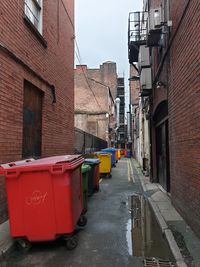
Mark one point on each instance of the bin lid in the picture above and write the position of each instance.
(85, 168)
(92, 161)
(18, 163)
(111, 149)
(64, 161)
(103, 153)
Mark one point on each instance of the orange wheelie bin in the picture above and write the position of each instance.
(119, 153)
(125, 153)
(45, 199)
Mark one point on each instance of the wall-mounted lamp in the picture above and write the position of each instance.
(160, 84)
(134, 78)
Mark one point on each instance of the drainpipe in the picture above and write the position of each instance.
(129, 126)
(117, 103)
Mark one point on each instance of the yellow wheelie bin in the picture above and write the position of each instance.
(105, 165)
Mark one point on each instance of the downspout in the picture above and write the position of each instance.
(117, 102)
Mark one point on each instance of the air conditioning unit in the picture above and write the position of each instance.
(155, 20)
(144, 57)
(146, 79)
(154, 29)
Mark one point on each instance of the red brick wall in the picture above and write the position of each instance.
(84, 97)
(134, 87)
(108, 72)
(54, 64)
(87, 108)
(184, 108)
(180, 73)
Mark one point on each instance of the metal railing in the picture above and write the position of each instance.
(86, 143)
(137, 27)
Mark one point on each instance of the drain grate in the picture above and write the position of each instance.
(153, 262)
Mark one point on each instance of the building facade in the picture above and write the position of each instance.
(95, 90)
(140, 123)
(121, 131)
(36, 81)
(168, 40)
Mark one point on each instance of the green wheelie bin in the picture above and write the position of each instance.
(93, 177)
(85, 172)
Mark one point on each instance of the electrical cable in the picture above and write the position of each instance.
(67, 14)
(78, 56)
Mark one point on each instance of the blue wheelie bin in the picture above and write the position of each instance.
(129, 153)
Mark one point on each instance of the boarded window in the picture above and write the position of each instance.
(32, 121)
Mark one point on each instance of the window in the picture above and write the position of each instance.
(33, 11)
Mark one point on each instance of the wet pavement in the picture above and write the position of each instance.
(121, 231)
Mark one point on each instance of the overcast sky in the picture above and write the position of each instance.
(101, 31)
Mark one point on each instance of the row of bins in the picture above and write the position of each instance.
(96, 164)
(108, 157)
(106, 163)
(45, 199)
(126, 153)
(90, 179)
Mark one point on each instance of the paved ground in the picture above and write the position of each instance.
(170, 221)
(108, 238)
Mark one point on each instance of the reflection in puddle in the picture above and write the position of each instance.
(144, 237)
(129, 237)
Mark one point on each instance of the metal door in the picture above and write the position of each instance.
(32, 121)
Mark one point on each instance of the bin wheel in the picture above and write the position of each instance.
(97, 188)
(82, 221)
(109, 175)
(71, 243)
(23, 245)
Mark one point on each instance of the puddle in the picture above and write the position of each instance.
(144, 237)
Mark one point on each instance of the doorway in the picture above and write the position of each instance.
(162, 162)
(162, 155)
(32, 121)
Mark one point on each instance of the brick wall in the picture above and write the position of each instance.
(85, 102)
(53, 63)
(184, 107)
(180, 73)
(134, 87)
(109, 76)
(84, 97)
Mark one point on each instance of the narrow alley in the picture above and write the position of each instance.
(121, 230)
(99, 133)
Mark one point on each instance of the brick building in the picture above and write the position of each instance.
(36, 81)
(173, 51)
(121, 136)
(95, 91)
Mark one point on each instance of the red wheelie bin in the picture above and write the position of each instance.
(45, 199)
